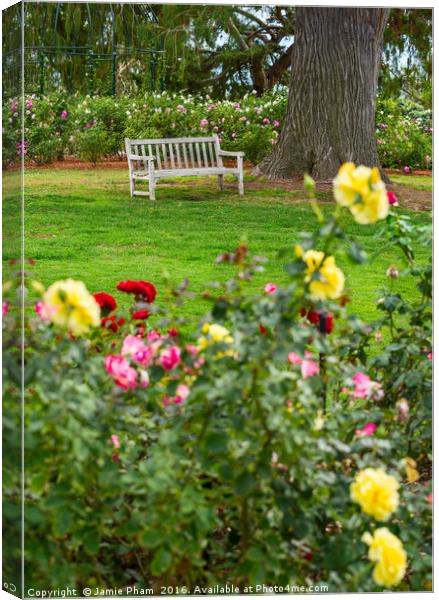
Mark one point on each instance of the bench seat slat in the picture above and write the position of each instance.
(187, 172)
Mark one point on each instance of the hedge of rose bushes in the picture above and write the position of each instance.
(279, 442)
(94, 128)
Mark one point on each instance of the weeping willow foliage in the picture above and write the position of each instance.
(84, 47)
(408, 64)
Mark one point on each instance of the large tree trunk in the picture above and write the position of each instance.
(331, 104)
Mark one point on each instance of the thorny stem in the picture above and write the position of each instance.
(322, 369)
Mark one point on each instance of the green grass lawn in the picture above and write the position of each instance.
(417, 182)
(83, 224)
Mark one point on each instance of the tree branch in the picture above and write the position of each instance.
(278, 68)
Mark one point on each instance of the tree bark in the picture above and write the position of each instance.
(330, 116)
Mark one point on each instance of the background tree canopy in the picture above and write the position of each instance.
(223, 50)
(229, 50)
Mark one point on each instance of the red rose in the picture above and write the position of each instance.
(106, 302)
(142, 289)
(313, 316)
(326, 324)
(140, 315)
(263, 330)
(173, 332)
(111, 323)
(392, 198)
(140, 330)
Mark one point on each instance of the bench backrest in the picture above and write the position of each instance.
(177, 153)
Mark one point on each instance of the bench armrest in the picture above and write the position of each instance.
(139, 157)
(230, 153)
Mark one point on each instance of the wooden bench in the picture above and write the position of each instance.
(150, 160)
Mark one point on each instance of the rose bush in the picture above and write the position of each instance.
(94, 127)
(274, 443)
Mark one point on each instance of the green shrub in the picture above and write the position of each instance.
(230, 448)
(93, 144)
(251, 124)
(404, 135)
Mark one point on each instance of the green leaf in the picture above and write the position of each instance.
(244, 483)
(151, 538)
(295, 268)
(216, 441)
(63, 521)
(161, 562)
(357, 253)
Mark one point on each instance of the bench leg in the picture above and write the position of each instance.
(132, 190)
(241, 176)
(221, 182)
(151, 184)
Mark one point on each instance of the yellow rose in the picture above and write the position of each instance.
(388, 552)
(376, 493)
(411, 470)
(361, 190)
(37, 286)
(215, 334)
(72, 306)
(324, 278)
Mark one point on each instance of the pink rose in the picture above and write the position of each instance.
(182, 393)
(170, 358)
(368, 430)
(309, 368)
(204, 122)
(404, 408)
(365, 387)
(270, 288)
(144, 378)
(294, 358)
(134, 347)
(276, 123)
(5, 308)
(87, 125)
(266, 120)
(429, 353)
(119, 368)
(44, 311)
(362, 384)
(153, 336)
(115, 441)
(64, 115)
